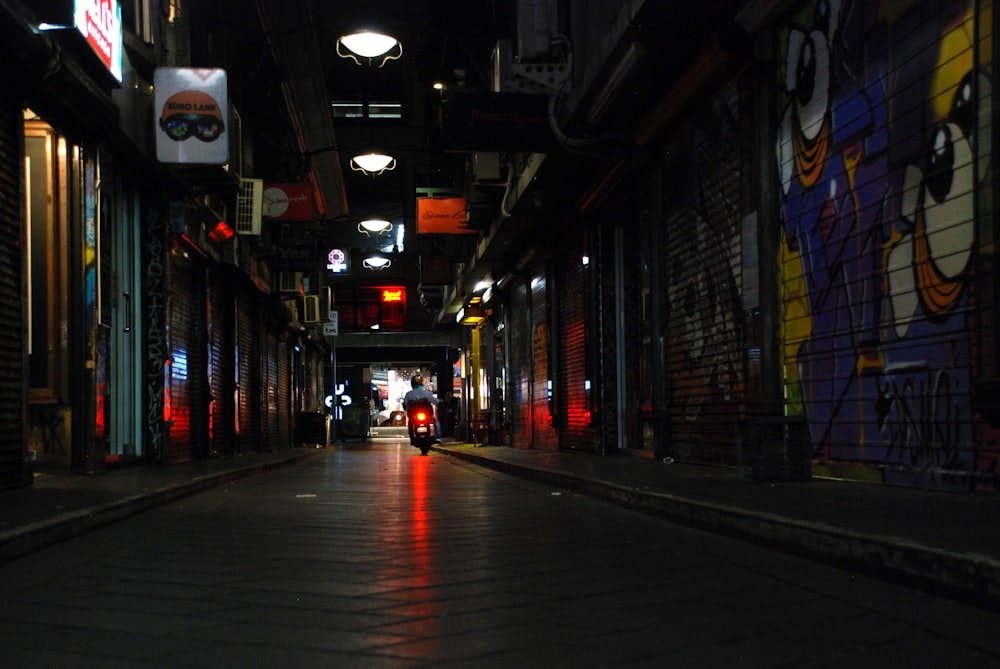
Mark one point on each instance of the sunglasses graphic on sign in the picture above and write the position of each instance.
(191, 114)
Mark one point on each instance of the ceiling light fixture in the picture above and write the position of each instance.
(377, 262)
(372, 163)
(374, 225)
(370, 45)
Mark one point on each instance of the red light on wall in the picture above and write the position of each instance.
(221, 232)
(392, 294)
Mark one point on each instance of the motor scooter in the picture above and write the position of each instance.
(420, 418)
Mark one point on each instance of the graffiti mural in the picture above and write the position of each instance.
(156, 340)
(704, 267)
(878, 177)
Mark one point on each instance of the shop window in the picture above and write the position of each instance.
(49, 165)
(137, 18)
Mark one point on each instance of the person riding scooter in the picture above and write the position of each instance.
(420, 394)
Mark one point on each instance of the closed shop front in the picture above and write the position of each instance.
(703, 282)
(521, 357)
(544, 436)
(271, 396)
(574, 390)
(221, 362)
(884, 156)
(248, 372)
(284, 409)
(13, 391)
(186, 381)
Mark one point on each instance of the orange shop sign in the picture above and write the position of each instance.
(442, 215)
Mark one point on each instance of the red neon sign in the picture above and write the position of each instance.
(392, 294)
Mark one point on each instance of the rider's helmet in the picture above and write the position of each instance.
(417, 380)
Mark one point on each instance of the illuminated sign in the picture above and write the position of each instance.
(337, 261)
(192, 114)
(392, 294)
(100, 23)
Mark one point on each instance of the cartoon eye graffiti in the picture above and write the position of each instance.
(803, 138)
(925, 265)
(963, 111)
(805, 72)
(809, 80)
(949, 180)
(939, 163)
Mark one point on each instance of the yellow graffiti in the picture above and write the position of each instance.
(796, 323)
(955, 60)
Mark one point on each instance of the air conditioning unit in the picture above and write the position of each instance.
(310, 309)
(249, 207)
(289, 282)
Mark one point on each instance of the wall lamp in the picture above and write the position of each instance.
(370, 45)
(472, 314)
(221, 232)
(372, 163)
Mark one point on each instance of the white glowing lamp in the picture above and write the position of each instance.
(370, 45)
(374, 225)
(372, 163)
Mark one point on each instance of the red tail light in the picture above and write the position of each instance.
(421, 416)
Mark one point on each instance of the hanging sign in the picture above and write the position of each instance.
(498, 122)
(192, 110)
(338, 261)
(100, 23)
(288, 202)
(442, 215)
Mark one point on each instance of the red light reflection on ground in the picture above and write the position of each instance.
(421, 543)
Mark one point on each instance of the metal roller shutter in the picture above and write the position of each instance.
(284, 382)
(247, 373)
(12, 358)
(519, 387)
(221, 365)
(545, 437)
(573, 394)
(703, 283)
(187, 363)
(269, 390)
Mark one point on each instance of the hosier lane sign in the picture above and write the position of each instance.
(192, 110)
